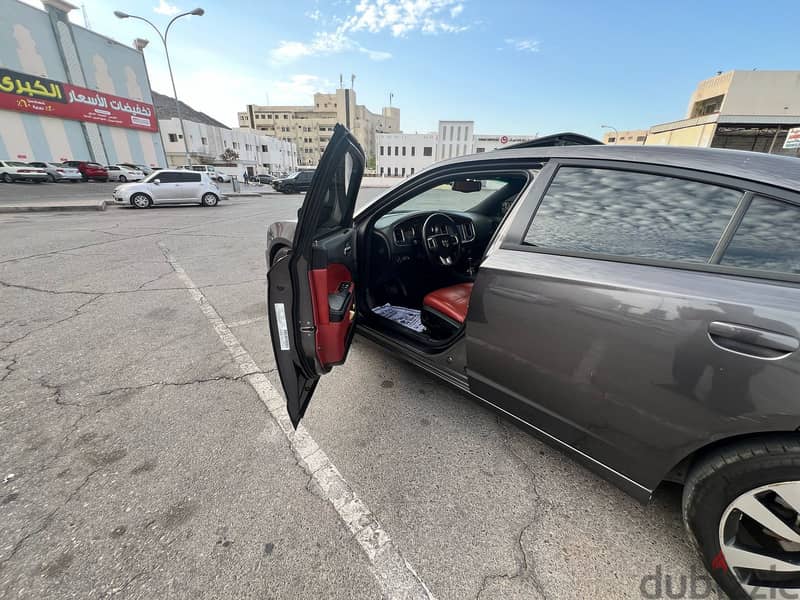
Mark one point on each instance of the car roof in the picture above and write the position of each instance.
(781, 171)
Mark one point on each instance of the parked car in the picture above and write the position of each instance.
(221, 177)
(169, 186)
(58, 172)
(299, 181)
(265, 179)
(635, 306)
(145, 169)
(89, 170)
(14, 170)
(123, 173)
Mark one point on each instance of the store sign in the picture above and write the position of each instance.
(48, 98)
(792, 139)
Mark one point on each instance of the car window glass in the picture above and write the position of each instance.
(338, 196)
(444, 197)
(767, 238)
(193, 177)
(166, 177)
(626, 213)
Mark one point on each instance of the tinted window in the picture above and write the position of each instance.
(187, 177)
(767, 239)
(167, 177)
(624, 213)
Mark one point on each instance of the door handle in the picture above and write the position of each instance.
(750, 340)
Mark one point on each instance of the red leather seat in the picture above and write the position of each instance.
(451, 301)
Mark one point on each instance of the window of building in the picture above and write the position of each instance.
(767, 238)
(235, 145)
(709, 106)
(412, 170)
(285, 116)
(404, 150)
(479, 150)
(173, 137)
(397, 150)
(611, 140)
(204, 141)
(413, 150)
(395, 171)
(264, 148)
(381, 171)
(403, 172)
(631, 214)
(388, 150)
(427, 151)
(640, 138)
(381, 150)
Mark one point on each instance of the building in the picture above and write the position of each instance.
(743, 110)
(310, 127)
(208, 139)
(404, 154)
(67, 93)
(629, 137)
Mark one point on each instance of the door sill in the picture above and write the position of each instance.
(426, 361)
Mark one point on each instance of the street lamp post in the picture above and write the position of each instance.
(616, 133)
(198, 12)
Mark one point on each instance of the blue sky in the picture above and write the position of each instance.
(512, 66)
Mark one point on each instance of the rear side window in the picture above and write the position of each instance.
(632, 214)
(768, 238)
(191, 177)
(166, 177)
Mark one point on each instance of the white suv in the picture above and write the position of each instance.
(169, 186)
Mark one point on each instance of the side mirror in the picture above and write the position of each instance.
(156, 181)
(466, 185)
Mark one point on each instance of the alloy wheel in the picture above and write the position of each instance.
(759, 538)
(141, 201)
(7, 178)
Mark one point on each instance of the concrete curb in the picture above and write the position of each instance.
(53, 207)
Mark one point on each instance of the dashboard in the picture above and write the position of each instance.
(402, 236)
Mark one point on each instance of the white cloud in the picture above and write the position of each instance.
(398, 17)
(523, 45)
(298, 89)
(165, 8)
(314, 15)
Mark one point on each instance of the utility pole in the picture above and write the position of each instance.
(352, 81)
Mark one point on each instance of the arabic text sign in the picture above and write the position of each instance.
(792, 139)
(28, 93)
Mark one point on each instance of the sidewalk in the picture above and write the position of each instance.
(74, 204)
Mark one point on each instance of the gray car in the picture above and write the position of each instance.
(637, 307)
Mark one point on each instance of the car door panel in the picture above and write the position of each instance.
(618, 360)
(310, 290)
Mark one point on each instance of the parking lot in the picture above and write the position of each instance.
(138, 461)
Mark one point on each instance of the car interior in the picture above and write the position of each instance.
(424, 253)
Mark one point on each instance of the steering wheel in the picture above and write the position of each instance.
(440, 237)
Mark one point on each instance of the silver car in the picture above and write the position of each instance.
(169, 186)
(58, 172)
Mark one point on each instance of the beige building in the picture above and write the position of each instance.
(310, 127)
(631, 136)
(742, 110)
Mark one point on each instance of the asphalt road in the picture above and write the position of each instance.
(137, 462)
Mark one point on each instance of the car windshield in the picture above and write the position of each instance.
(445, 197)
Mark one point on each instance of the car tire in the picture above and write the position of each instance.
(747, 475)
(122, 179)
(51, 178)
(209, 199)
(37, 181)
(288, 190)
(84, 178)
(7, 178)
(141, 200)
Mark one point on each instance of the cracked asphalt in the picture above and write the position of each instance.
(136, 462)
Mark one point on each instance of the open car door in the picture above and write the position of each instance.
(311, 290)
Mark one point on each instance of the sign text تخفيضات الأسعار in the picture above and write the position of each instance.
(46, 97)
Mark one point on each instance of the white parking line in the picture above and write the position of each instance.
(396, 578)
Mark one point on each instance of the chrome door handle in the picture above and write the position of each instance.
(750, 340)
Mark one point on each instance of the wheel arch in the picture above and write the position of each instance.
(681, 470)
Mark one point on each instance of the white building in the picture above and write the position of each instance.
(404, 154)
(208, 139)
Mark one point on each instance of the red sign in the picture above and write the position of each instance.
(48, 98)
(503, 139)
